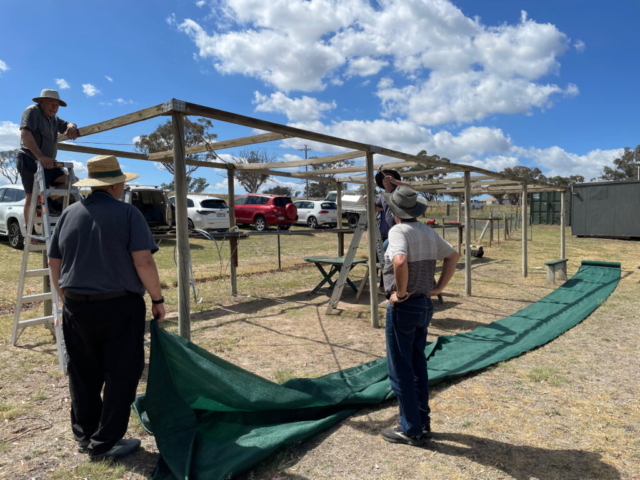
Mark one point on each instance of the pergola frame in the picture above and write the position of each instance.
(485, 181)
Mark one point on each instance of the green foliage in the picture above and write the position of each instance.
(565, 181)
(8, 165)
(319, 189)
(626, 166)
(249, 180)
(195, 133)
(280, 190)
(525, 175)
(425, 175)
(194, 185)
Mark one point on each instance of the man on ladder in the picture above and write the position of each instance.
(100, 257)
(39, 129)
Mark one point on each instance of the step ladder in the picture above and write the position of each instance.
(361, 227)
(52, 318)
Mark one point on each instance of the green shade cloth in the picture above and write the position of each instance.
(212, 419)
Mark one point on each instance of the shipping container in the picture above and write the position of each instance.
(606, 209)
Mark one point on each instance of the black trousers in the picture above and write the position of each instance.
(105, 343)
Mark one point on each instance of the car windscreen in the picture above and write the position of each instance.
(212, 203)
(328, 206)
(281, 201)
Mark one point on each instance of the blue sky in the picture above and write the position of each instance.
(492, 83)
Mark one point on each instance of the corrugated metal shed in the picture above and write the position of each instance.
(545, 208)
(606, 209)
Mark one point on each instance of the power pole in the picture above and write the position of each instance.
(306, 149)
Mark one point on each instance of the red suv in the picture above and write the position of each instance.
(265, 210)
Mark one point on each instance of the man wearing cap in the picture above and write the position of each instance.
(409, 272)
(387, 180)
(39, 130)
(101, 262)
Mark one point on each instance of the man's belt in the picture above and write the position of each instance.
(97, 297)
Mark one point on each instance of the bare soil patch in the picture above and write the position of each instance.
(567, 410)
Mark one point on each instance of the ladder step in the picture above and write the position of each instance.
(41, 247)
(37, 297)
(35, 321)
(40, 272)
(59, 191)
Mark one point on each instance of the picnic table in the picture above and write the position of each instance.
(336, 264)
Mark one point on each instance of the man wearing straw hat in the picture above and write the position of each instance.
(101, 264)
(409, 272)
(39, 128)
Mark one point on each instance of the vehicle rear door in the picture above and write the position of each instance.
(328, 212)
(240, 209)
(217, 212)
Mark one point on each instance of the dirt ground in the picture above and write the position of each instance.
(567, 410)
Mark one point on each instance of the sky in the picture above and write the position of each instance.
(493, 83)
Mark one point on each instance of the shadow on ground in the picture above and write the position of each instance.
(523, 462)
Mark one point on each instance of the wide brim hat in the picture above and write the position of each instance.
(383, 173)
(48, 93)
(104, 170)
(405, 202)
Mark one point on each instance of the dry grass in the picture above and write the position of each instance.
(567, 410)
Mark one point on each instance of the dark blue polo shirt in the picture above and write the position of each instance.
(95, 239)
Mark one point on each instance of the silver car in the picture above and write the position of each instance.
(206, 213)
(314, 213)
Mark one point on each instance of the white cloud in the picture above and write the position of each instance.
(122, 101)
(365, 66)
(579, 46)
(62, 83)
(457, 69)
(9, 135)
(79, 168)
(3, 66)
(89, 90)
(109, 78)
(201, 3)
(557, 161)
(385, 82)
(296, 109)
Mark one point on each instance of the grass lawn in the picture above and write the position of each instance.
(567, 410)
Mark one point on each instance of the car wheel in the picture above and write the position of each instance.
(284, 227)
(353, 220)
(312, 222)
(191, 225)
(261, 224)
(16, 240)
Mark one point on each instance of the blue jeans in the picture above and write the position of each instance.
(406, 333)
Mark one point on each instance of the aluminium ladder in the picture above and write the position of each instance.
(40, 243)
(348, 262)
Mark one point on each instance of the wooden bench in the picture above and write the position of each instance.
(556, 268)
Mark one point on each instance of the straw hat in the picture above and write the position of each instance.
(104, 170)
(47, 93)
(405, 202)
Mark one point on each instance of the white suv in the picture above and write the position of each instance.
(12, 214)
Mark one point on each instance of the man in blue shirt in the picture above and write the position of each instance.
(101, 263)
